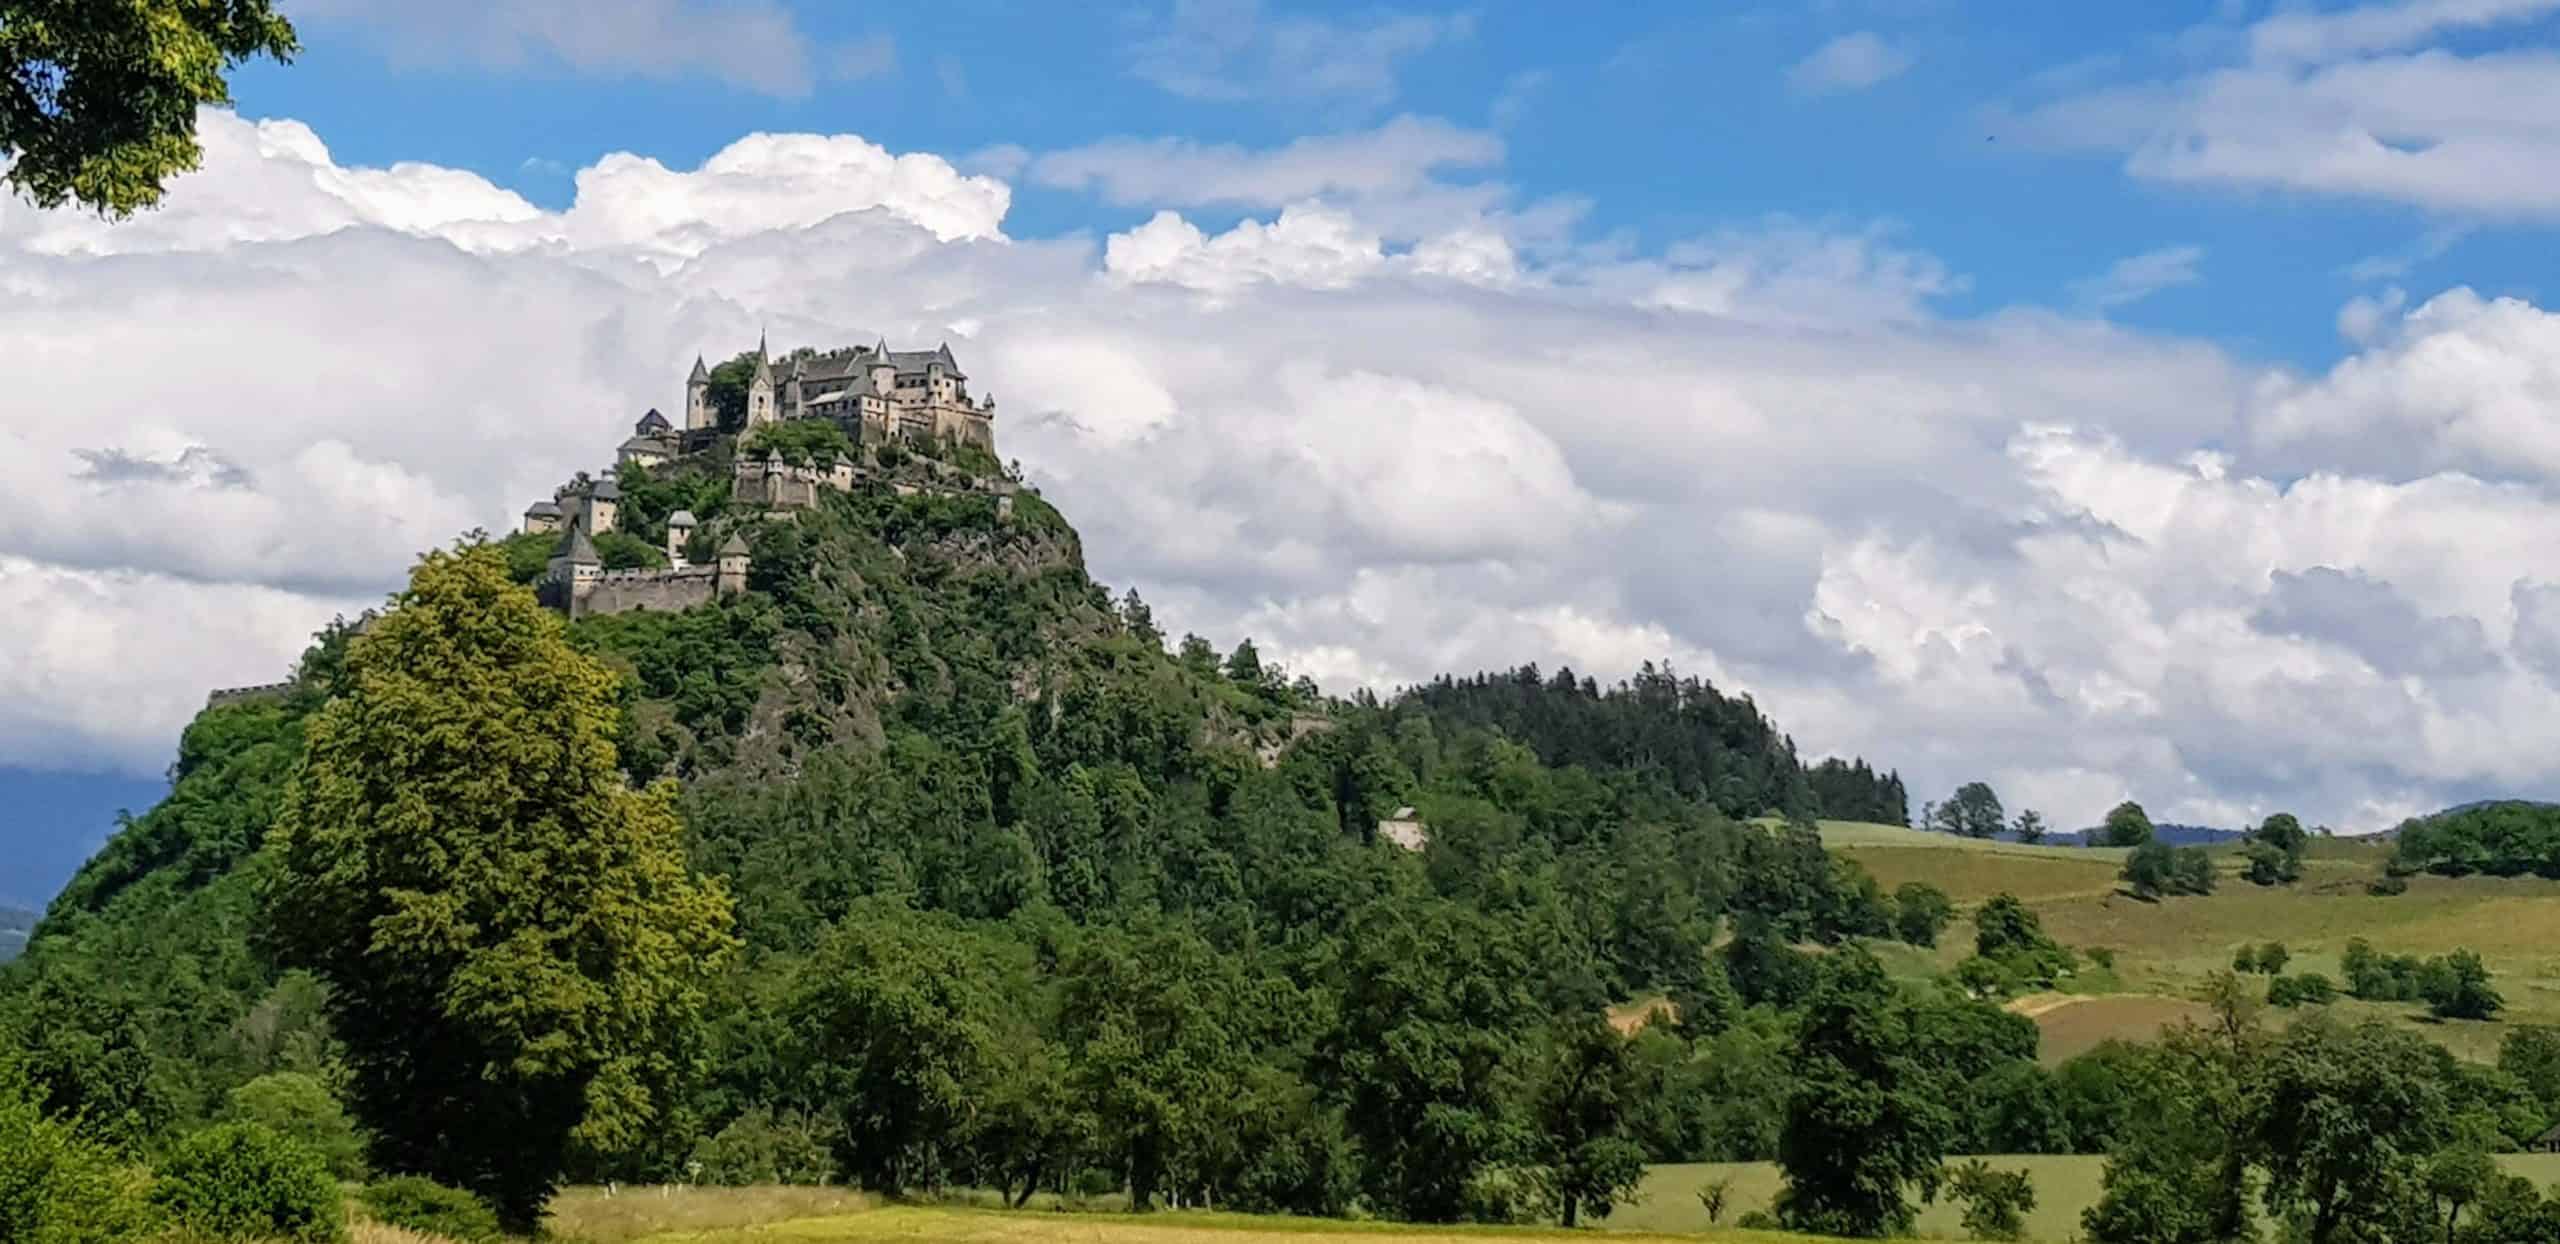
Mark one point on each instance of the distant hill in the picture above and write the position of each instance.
(2174, 834)
(14, 924)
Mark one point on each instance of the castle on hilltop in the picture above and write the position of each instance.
(873, 392)
(874, 395)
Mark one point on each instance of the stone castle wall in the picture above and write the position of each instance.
(622, 591)
(244, 695)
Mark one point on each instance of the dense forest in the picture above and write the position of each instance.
(2509, 838)
(928, 863)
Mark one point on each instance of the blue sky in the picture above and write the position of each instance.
(2104, 400)
(1665, 120)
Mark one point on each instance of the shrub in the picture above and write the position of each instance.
(1921, 912)
(1995, 1202)
(2387, 885)
(241, 1181)
(2308, 989)
(1509, 1195)
(57, 1187)
(303, 1110)
(758, 1147)
(430, 1208)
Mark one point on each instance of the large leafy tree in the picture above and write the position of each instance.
(2127, 825)
(1162, 1032)
(1973, 811)
(901, 1015)
(98, 99)
(2351, 1116)
(1434, 1011)
(1868, 1118)
(1583, 1105)
(513, 941)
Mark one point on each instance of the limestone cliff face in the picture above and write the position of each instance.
(865, 606)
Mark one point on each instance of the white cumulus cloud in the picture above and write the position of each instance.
(2027, 546)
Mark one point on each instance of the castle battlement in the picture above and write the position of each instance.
(242, 695)
(651, 576)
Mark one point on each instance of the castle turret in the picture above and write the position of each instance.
(574, 570)
(760, 391)
(679, 530)
(697, 398)
(733, 565)
(601, 505)
(542, 516)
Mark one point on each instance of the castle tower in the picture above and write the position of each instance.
(760, 391)
(542, 516)
(733, 566)
(603, 502)
(697, 398)
(679, 530)
(575, 569)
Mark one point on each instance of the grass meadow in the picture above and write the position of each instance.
(2163, 950)
(823, 1216)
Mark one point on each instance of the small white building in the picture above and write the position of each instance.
(1405, 829)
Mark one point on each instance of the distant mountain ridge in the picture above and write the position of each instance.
(2174, 834)
(15, 922)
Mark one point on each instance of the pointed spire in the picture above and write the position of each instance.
(700, 373)
(577, 549)
(760, 342)
(734, 546)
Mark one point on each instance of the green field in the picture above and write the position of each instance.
(2064, 1187)
(2165, 949)
(787, 1216)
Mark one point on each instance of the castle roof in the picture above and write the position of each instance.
(917, 362)
(577, 548)
(652, 422)
(542, 509)
(605, 490)
(734, 546)
(700, 372)
(681, 518)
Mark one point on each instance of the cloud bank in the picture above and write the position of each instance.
(1385, 431)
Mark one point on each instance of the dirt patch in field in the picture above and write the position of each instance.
(2069, 1025)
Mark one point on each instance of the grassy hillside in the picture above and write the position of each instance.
(2163, 950)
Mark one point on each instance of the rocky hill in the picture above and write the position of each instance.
(924, 700)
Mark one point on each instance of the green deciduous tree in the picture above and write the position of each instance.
(2150, 871)
(301, 1109)
(1920, 912)
(1582, 1104)
(2029, 827)
(1868, 1119)
(511, 936)
(98, 101)
(1434, 1013)
(1973, 811)
(2351, 1114)
(2127, 825)
(898, 1013)
(1996, 1202)
(1160, 1033)
(56, 1186)
(2457, 987)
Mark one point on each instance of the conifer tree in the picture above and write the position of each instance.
(513, 941)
